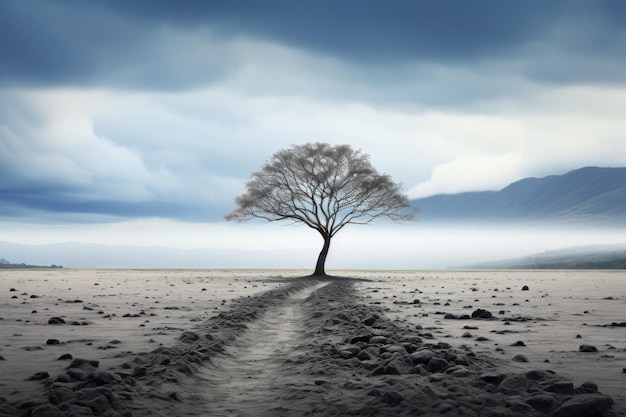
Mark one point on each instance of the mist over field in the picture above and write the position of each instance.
(381, 246)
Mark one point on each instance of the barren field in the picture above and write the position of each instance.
(274, 342)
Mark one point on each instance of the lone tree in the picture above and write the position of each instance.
(325, 187)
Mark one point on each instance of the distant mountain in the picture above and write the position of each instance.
(582, 257)
(4, 264)
(586, 195)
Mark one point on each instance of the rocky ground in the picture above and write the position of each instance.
(308, 347)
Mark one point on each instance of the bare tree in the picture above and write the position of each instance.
(325, 187)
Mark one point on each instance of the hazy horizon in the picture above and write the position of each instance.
(416, 246)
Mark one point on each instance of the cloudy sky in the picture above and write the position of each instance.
(122, 115)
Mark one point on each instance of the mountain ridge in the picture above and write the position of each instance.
(589, 194)
(611, 256)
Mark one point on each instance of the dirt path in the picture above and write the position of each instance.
(252, 377)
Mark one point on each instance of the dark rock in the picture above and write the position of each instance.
(65, 357)
(86, 364)
(361, 337)
(455, 317)
(538, 375)
(519, 343)
(459, 371)
(100, 377)
(421, 356)
(392, 398)
(585, 405)
(587, 388)
(587, 348)
(374, 392)
(382, 340)
(514, 384)
(543, 402)
(519, 407)
(363, 356)
(561, 387)
(189, 337)
(61, 394)
(436, 364)
(525, 288)
(481, 314)
(492, 378)
(346, 354)
(444, 345)
(397, 367)
(369, 320)
(63, 378)
(56, 320)
(99, 405)
(53, 342)
(520, 358)
(76, 374)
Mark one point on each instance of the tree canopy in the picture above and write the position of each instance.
(323, 186)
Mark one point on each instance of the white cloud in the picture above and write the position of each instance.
(199, 146)
(475, 172)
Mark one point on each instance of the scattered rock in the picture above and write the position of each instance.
(189, 337)
(520, 358)
(392, 398)
(561, 387)
(585, 405)
(370, 320)
(436, 364)
(514, 384)
(481, 314)
(437, 378)
(86, 364)
(56, 320)
(543, 402)
(587, 348)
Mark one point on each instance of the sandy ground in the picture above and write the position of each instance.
(250, 342)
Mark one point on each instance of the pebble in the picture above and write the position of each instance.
(587, 348)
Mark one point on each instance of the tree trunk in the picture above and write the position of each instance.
(321, 259)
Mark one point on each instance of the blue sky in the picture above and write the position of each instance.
(125, 113)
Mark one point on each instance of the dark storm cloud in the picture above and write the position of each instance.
(105, 110)
(117, 43)
(58, 203)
